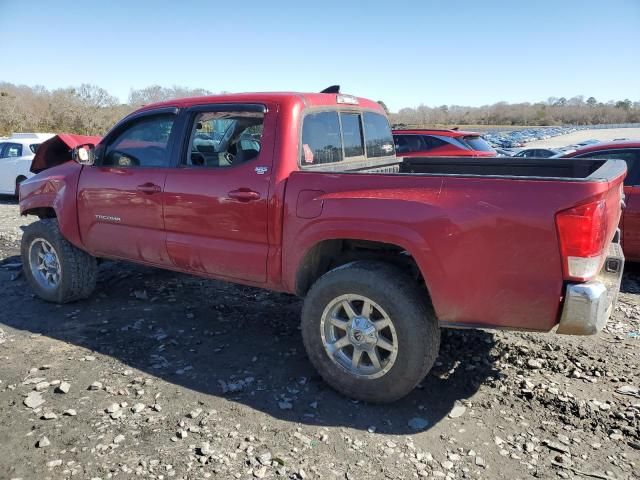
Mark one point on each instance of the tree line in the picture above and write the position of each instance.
(91, 110)
(553, 111)
(87, 109)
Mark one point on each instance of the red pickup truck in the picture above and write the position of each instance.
(303, 193)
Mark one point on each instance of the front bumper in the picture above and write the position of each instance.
(587, 306)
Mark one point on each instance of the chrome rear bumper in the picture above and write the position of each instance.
(587, 306)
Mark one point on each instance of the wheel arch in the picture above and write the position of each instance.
(328, 254)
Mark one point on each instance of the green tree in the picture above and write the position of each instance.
(624, 104)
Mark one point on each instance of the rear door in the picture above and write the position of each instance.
(216, 200)
(120, 201)
(630, 222)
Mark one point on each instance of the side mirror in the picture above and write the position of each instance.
(84, 155)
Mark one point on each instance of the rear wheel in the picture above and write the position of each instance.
(370, 331)
(56, 270)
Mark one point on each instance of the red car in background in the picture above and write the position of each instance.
(441, 143)
(629, 151)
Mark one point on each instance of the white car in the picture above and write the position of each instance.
(16, 154)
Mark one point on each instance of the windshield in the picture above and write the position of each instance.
(477, 143)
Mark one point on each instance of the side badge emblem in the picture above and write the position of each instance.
(261, 170)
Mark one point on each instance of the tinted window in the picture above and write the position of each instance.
(143, 143)
(379, 140)
(10, 150)
(352, 134)
(431, 142)
(34, 147)
(478, 143)
(224, 139)
(632, 157)
(409, 143)
(401, 143)
(321, 142)
(542, 153)
(527, 153)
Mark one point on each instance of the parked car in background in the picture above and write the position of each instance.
(503, 152)
(16, 154)
(441, 143)
(586, 143)
(629, 151)
(538, 152)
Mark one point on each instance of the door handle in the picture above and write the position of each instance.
(244, 195)
(149, 188)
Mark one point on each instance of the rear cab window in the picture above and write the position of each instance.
(340, 137)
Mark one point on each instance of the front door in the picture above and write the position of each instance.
(120, 198)
(216, 200)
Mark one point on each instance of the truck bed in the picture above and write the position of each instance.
(566, 169)
(482, 231)
(507, 167)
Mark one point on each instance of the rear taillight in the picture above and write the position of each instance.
(582, 232)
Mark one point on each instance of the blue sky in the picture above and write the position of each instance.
(403, 52)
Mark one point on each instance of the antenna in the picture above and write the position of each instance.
(332, 89)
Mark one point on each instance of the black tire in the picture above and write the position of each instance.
(408, 307)
(78, 269)
(19, 180)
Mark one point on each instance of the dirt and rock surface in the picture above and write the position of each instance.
(161, 375)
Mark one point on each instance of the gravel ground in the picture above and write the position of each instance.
(602, 134)
(162, 375)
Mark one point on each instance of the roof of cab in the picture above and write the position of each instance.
(284, 98)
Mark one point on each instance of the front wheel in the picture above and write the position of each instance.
(19, 180)
(56, 270)
(370, 331)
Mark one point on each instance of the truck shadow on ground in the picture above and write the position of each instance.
(236, 342)
(631, 278)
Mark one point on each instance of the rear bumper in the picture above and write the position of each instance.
(587, 306)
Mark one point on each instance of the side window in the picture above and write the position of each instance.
(321, 140)
(433, 142)
(352, 134)
(414, 143)
(379, 140)
(401, 143)
(224, 139)
(3, 146)
(632, 157)
(34, 147)
(11, 150)
(144, 143)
